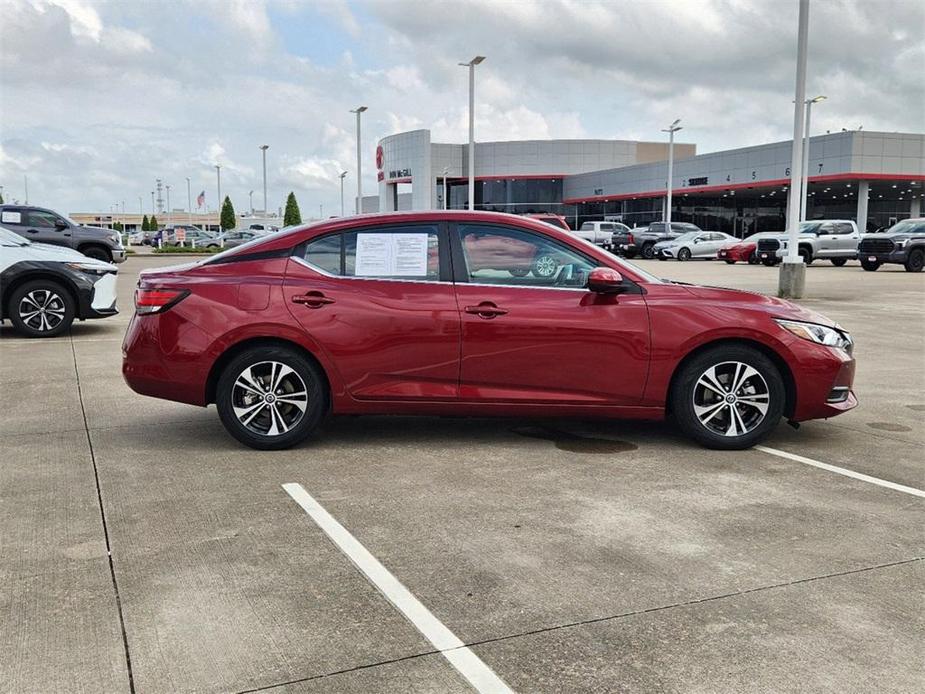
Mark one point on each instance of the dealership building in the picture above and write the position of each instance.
(875, 177)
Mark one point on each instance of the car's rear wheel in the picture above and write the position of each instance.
(629, 254)
(753, 259)
(807, 256)
(729, 397)
(769, 262)
(270, 398)
(916, 260)
(684, 254)
(41, 308)
(839, 262)
(870, 265)
(648, 251)
(730, 262)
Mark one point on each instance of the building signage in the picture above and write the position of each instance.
(379, 157)
(400, 173)
(598, 191)
(699, 181)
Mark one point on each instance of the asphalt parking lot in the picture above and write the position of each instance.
(567, 555)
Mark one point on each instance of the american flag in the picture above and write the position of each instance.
(201, 199)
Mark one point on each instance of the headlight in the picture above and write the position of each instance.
(900, 243)
(88, 268)
(821, 334)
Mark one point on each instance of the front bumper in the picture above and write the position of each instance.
(823, 379)
(118, 255)
(897, 256)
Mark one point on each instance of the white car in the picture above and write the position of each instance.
(44, 288)
(694, 244)
(600, 233)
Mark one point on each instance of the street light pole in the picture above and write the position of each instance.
(446, 170)
(342, 176)
(141, 209)
(471, 65)
(805, 174)
(250, 201)
(359, 206)
(218, 176)
(168, 204)
(264, 149)
(189, 202)
(152, 203)
(671, 130)
(792, 271)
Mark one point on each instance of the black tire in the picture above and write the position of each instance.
(915, 261)
(629, 254)
(519, 272)
(684, 254)
(58, 304)
(753, 259)
(685, 389)
(870, 266)
(769, 262)
(97, 253)
(228, 395)
(648, 251)
(807, 255)
(730, 262)
(839, 262)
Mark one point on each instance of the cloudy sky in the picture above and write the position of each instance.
(97, 98)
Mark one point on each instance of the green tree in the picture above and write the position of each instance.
(227, 218)
(144, 224)
(1, 198)
(118, 226)
(292, 214)
(152, 223)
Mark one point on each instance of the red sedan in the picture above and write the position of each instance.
(448, 313)
(742, 251)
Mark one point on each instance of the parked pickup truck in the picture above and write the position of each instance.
(600, 233)
(835, 240)
(642, 240)
(41, 225)
(903, 244)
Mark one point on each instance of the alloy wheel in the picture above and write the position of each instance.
(731, 398)
(42, 310)
(544, 266)
(269, 398)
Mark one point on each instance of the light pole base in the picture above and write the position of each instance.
(792, 280)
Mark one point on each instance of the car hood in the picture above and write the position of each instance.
(776, 308)
(63, 254)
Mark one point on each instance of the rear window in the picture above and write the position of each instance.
(587, 226)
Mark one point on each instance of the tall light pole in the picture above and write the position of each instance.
(141, 209)
(168, 203)
(152, 203)
(358, 110)
(264, 148)
(25, 182)
(446, 170)
(189, 202)
(342, 176)
(805, 173)
(250, 201)
(671, 130)
(218, 177)
(792, 271)
(471, 65)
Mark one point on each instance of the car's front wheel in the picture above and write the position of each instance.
(839, 262)
(870, 265)
(916, 260)
(41, 308)
(97, 253)
(729, 397)
(270, 398)
(648, 251)
(684, 254)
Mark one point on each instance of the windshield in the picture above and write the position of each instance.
(8, 238)
(908, 226)
(684, 238)
(810, 227)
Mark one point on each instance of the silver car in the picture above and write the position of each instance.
(695, 244)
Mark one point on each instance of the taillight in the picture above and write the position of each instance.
(157, 300)
(630, 239)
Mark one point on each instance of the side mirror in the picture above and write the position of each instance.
(60, 226)
(605, 280)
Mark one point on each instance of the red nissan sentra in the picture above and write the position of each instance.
(471, 313)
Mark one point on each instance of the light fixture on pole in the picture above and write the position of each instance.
(671, 130)
(792, 271)
(264, 148)
(359, 206)
(471, 65)
(343, 174)
(446, 170)
(218, 178)
(805, 173)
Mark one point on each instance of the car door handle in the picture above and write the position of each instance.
(312, 299)
(486, 309)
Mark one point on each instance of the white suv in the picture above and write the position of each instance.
(821, 239)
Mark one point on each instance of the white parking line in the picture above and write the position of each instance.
(843, 471)
(455, 651)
